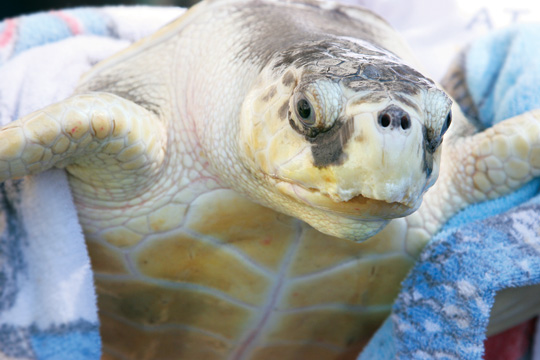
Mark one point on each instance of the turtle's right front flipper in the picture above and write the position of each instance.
(101, 139)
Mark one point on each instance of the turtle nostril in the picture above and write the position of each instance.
(385, 120)
(405, 122)
(393, 118)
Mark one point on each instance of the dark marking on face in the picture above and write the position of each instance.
(371, 72)
(405, 71)
(358, 84)
(328, 147)
(404, 100)
(427, 156)
(299, 56)
(433, 144)
(294, 126)
(405, 87)
(431, 140)
(370, 98)
(288, 79)
(378, 72)
(283, 111)
(270, 93)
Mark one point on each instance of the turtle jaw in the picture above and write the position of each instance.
(357, 207)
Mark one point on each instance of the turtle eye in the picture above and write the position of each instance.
(305, 112)
(446, 124)
(315, 107)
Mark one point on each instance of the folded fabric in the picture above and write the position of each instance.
(444, 306)
(47, 300)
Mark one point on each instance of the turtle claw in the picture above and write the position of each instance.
(92, 135)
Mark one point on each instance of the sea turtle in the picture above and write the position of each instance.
(231, 171)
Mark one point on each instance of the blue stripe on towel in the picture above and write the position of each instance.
(79, 341)
(42, 28)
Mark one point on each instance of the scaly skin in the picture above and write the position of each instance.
(188, 263)
(477, 168)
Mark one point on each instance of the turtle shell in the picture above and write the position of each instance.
(231, 286)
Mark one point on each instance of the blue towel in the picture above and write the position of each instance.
(48, 307)
(42, 253)
(39, 318)
(443, 308)
(26, 32)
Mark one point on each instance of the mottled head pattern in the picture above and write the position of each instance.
(345, 127)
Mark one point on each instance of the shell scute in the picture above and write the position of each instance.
(106, 260)
(264, 236)
(355, 282)
(134, 342)
(341, 331)
(187, 259)
(153, 306)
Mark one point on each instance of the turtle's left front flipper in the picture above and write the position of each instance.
(497, 161)
(100, 138)
(479, 167)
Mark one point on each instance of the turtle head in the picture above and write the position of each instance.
(344, 134)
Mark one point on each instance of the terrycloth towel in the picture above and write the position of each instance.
(444, 306)
(47, 300)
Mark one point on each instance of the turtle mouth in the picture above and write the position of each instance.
(359, 206)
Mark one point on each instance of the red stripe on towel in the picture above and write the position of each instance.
(7, 35)
(511, 344)
(72, 22)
